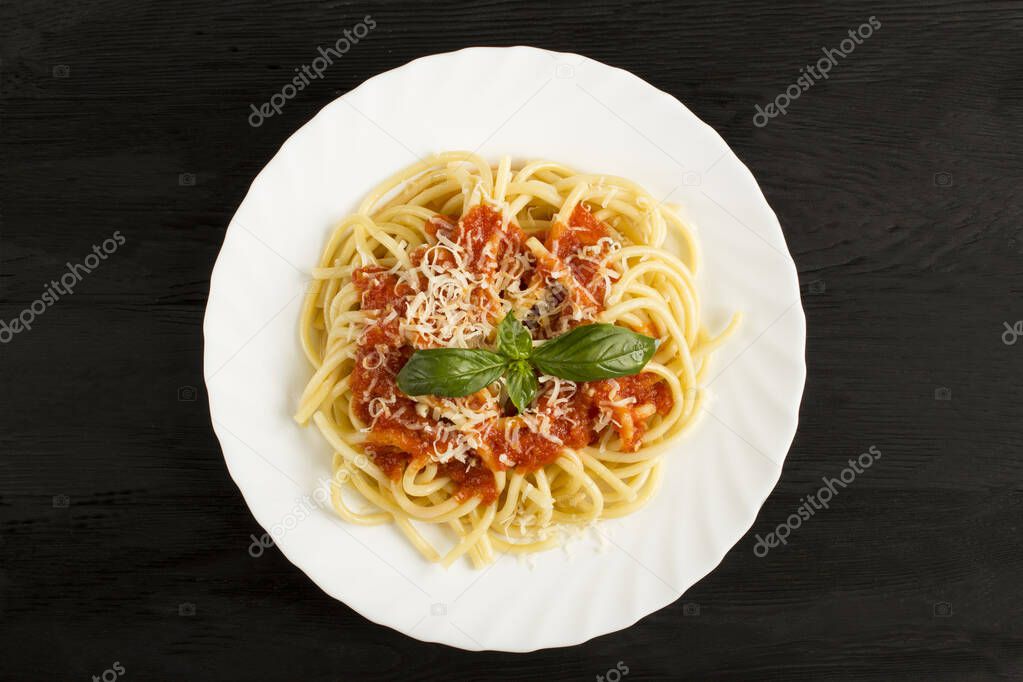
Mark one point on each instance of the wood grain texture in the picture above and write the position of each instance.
(898, 182)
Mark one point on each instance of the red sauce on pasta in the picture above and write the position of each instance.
(400, 432)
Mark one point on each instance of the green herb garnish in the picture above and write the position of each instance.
(586, 353)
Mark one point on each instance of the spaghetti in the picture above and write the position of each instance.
(435, 257)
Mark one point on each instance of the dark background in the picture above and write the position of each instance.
(897, 182)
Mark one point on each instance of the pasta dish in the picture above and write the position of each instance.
(502, 352)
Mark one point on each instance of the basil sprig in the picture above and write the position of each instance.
(587, 353)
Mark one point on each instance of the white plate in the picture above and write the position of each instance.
(527, 103)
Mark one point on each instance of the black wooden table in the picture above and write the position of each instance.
(898, 180)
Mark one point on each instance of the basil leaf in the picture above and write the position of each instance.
(450, 372)
(522, 384)
(595, 351)
(513, 340)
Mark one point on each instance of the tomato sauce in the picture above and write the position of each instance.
(567, 241)
(645, 387)
(480, 228)
(391, 460)
(380, 288)
(398, 435)
(472, 477)
(646, 394)
(530, 451)
(586, 230)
